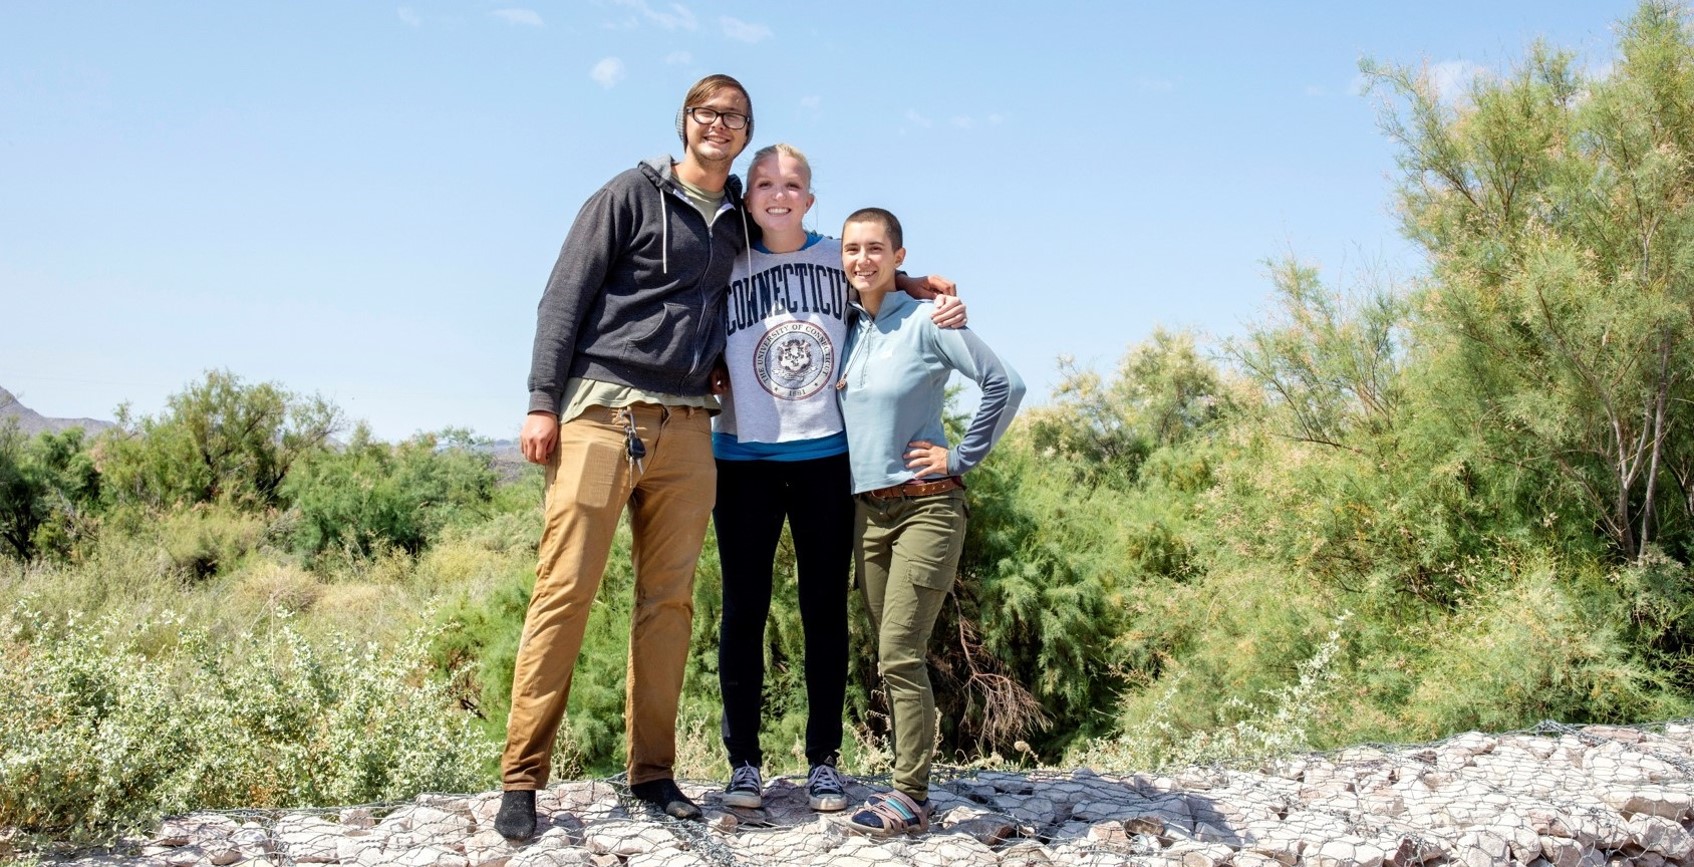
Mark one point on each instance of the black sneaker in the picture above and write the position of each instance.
(826, 787)
(516, 819)
(746, 788)
(670, 800)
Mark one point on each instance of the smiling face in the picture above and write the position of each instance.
(779, 192)
(715, 145)
(870, 255)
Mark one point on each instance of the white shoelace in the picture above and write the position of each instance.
(746, 776)
(827, 778)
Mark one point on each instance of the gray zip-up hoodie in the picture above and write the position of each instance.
(636, 297)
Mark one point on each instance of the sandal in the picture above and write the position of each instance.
(890, 815)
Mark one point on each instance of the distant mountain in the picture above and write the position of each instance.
(32, 422)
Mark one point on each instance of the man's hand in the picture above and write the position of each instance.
(540, 436)
(925, 288)
(720, 378)
(926, 458)
(949, 312)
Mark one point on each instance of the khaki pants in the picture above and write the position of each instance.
(907, 556)
(589, 483)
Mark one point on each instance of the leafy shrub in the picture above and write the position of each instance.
(370, 495)
(101, 735)
(1280, 723)
(204, 541)
(1535, 648)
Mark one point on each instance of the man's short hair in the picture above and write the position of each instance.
(705, 89)
(891, 223)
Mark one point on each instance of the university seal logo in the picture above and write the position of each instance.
(794, 360)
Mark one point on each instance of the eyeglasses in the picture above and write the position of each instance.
(707, 116)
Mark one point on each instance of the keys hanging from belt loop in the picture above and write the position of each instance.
(633, 448)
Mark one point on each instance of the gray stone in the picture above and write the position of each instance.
(428, 856)
(1109, 832)
(222, 853)
(1200, 854)
(1283, 845)
(1480, 849)
(1344, 853)
(1658, 801)
(309, 839)
(354, 843)
(1561, 851)
(625, 837)
(953, 851)
(534, 857)
(988, 829)
(198, 827)
(1025, 853)
(667, 858)
(1663, 836)
(489, 849)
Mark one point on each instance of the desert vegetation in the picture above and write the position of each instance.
(1387, 512)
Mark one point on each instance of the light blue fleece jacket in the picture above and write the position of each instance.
(894, 387)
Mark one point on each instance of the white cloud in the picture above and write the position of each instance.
(1154, 85)
(811, 103)
(962, 121)
(410, 17)
(913, 116)
(678, 16)
(526, 17)
(1315, 90)
(677, 58)
(1452, 78)
(742, 31)
(996, 118)
(607, 73)
(1360, 85)
(1600, 70)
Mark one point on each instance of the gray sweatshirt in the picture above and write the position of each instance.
(894, 387)
(637, 295)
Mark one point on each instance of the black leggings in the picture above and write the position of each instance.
(753, 499)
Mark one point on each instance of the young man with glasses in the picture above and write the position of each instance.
(627, 335)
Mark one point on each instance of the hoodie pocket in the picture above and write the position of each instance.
(665, 338)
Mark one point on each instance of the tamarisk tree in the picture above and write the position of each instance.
(1557, 207)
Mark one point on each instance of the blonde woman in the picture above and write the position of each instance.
(782, 455)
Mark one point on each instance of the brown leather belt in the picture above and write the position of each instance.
(915, 488)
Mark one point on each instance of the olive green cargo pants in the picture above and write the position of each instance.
(906, 556)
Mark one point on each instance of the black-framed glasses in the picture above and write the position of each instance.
(707, 116)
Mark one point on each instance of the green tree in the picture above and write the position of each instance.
(49, 490)
(1163, 392)
(370, 495)
(218, 441)
(1558, 212)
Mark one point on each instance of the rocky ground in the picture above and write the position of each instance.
(1565, 797)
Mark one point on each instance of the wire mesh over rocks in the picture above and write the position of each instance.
(1553, 796)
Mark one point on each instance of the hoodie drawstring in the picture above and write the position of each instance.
(746, 236)
(665, 233)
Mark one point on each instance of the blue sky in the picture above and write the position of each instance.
(363, 200)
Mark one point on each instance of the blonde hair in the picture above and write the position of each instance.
(784, 149)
